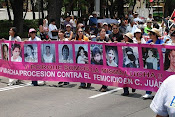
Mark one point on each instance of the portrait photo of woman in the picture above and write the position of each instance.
(169, 63)
(5, 51)
(111, 56)
(130, 57)
(150, 58)
(0, 52)
(65, 53)
(16, 53)
(30, 53)
(81, 54)
(96, 54)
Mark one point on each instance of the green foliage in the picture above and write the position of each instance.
(5, 26)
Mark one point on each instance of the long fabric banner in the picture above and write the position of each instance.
(140, 66)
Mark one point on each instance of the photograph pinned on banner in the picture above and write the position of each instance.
(65, 53)
(151, 59)
(5, 51)
(130, 57)
(48, 53)
(169, 60)
(81, 52)
(16, 55)
(96, 54)
(31, 53)
(111, 56)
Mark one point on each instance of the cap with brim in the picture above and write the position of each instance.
(32, 30)
(129, 35)
(105, 23)
(94, 13)
(156, 31)
(137, 31)
(149, 21)
(135, 13)
(68, 25)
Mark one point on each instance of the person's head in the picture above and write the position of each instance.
(47, 49)
(135, 14)
(44, 21)
(128, 37)
(102, 32)
(105, 26)
(16, 50)
(172, 28)
(94, 14)
(111, 54)
(138, 33)
(5, 51)
(81, 51)
(65, 52)
(68, 27)
(150, 53)
(130, 54)
(13, 31)
(29, 50)
(96, 54)
(32, 33)
(52, 21)
(169, 59)
(150, 15)
(115, 28)
(61, 33)
(149, 23)
(80, 32)
(156, 25)
(154, 33)
(67, 18)
(87, 29)
(173, 36)
(132, 22)
(41, 22)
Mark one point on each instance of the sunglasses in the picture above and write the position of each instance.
(80, 31)
(151, 34)
(115, 28)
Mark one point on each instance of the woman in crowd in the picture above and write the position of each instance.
(43, 29)
(80, 36)
(13, 34)
(154, 34)
(138, 37)
(68, 33)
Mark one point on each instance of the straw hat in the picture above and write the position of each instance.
(129, 35)
(156, 31)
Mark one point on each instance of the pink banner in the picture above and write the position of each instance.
(140, 66)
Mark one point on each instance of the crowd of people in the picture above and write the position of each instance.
(127, 30)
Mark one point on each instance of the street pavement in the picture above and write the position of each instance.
(69, 101)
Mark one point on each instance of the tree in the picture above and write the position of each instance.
(8, 10)
(54, 10)
(169, 7)
(17, 6)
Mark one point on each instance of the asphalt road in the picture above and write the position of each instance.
(69, 101)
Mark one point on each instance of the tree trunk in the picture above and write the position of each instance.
(42, 9)
(26, 10)
(169, 7)
(33, 8)
(8, 10)
(17, 6)
(54, 10)
(120, 8)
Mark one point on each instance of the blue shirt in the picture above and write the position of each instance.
(158, 41)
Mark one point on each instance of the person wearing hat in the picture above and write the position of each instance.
(153, 34)
(128, 38)
(108, 32)
(138, 37)
(167, 39)
(68, 33)
(148, 27)
(93, 19)
(67, 21)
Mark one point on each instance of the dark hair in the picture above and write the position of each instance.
(115, 25)
(140, 36)
(77, 36)
(156, 25)
(153, 51)
(15, 46)
(173, 26)
(31, 47)
(65, 47)
(4, 45)
(52, 20)
(78, 53)
(15, 31)
(40, 22)
(95, 51)
(48, 47)
(100, 30)
(110, 48)
(61, 30)
(167, 60)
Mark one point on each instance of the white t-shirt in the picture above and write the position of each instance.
(73, 22)
(51, 28)
(35, 39)
(48, 59)
(19, 59)
(80, 60)
(163, 103)
(17, 38)
(142, 40)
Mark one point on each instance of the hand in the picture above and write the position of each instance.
(139, 42)
(151, 43)
(25, 40)
(115, 41)
(127, 42)
(49, 40)
(164, 44)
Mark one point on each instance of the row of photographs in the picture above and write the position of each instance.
(150, 56)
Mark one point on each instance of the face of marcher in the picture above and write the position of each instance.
(11, 33)
(32, 35)
(138, 35)
(172, 58)
(80, 32)
(60, 34)
(115, 29)
(65, 53)
(111, 55)
(171, 30)
(16, 52)
(126, 39)
(97, 57)
(102, 33)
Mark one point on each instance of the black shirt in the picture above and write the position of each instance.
(116, 37)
